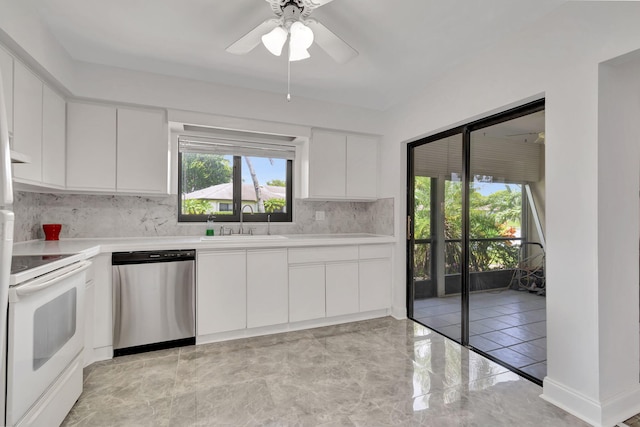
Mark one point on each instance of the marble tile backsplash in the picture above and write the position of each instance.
(133, 216)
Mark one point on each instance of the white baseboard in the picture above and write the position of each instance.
(102, 353)
(600, 414)
(399, 313)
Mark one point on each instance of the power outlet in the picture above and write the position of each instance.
(319, 215)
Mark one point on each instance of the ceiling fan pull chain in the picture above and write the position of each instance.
(288, 80)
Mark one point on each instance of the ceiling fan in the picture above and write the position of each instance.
(292, 22)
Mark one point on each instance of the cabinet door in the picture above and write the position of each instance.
(306, 292)
(6, 66)
(327, 163)
(27, 122)
(143, 150)
(362, 167)
(53, 138)
(267, 288)
(221, 292)
(375, 284)
(103, 302)
(89, 300)
(91, 146)
(342, 288)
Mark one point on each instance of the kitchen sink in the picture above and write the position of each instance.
(235, 237)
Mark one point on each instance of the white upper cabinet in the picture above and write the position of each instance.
(91, 147)
(143, 152)
(27, 123)
(327, 165)
(53, 138)
(39, 129)
(362, 167)
(341, 166)
(117, 150)
(6, 66)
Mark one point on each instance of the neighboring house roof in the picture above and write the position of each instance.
(225, 192)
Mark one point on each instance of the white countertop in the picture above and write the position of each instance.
(89, 247)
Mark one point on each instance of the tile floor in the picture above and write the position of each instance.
(508, 324)
(633, 421)
(380, 372)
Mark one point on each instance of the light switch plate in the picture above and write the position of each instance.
(319, 215)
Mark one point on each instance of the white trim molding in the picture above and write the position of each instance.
(599, 414)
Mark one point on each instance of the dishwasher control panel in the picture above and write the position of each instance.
(141, 257)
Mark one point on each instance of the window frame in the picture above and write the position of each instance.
(237, 182)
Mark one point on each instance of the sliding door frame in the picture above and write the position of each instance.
(465, 130)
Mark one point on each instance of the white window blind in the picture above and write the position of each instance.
(506, 160)
(223, 146)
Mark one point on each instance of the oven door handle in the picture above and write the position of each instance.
(37, 285)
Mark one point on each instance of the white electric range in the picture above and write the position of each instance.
(45, 338)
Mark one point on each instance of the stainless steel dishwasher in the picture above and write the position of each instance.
(153, 300)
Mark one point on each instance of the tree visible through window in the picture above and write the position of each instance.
(221, 185)
(495, 214)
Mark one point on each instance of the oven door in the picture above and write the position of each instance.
(45, 332)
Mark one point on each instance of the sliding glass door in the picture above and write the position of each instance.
(476, 240)
(435, 243)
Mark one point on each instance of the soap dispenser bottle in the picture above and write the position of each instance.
(210, 226)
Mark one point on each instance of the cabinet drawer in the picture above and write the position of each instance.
(322, 254)
(375, 251)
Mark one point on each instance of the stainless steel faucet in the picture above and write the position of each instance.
(241, 231)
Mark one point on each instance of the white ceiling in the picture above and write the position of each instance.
(401, 43)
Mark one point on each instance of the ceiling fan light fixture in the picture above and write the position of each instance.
(298, 54)
(274, 40)
(300, 40)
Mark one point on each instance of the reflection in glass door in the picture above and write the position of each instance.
(475, 237)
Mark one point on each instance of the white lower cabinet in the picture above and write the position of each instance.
(102, 307)
(253, 288)
(342, 288)
(89, 316)
(221, 291)
(375, 277)
(323, 282)
(306, 292)
(267, 288)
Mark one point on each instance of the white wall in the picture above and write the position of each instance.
(21, 31)
(557, 58)
(119, 85)
(619, 172)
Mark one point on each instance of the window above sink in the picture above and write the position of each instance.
(228, 178)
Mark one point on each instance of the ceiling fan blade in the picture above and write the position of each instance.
(315, 3)
(249, 41)
(335, 47)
